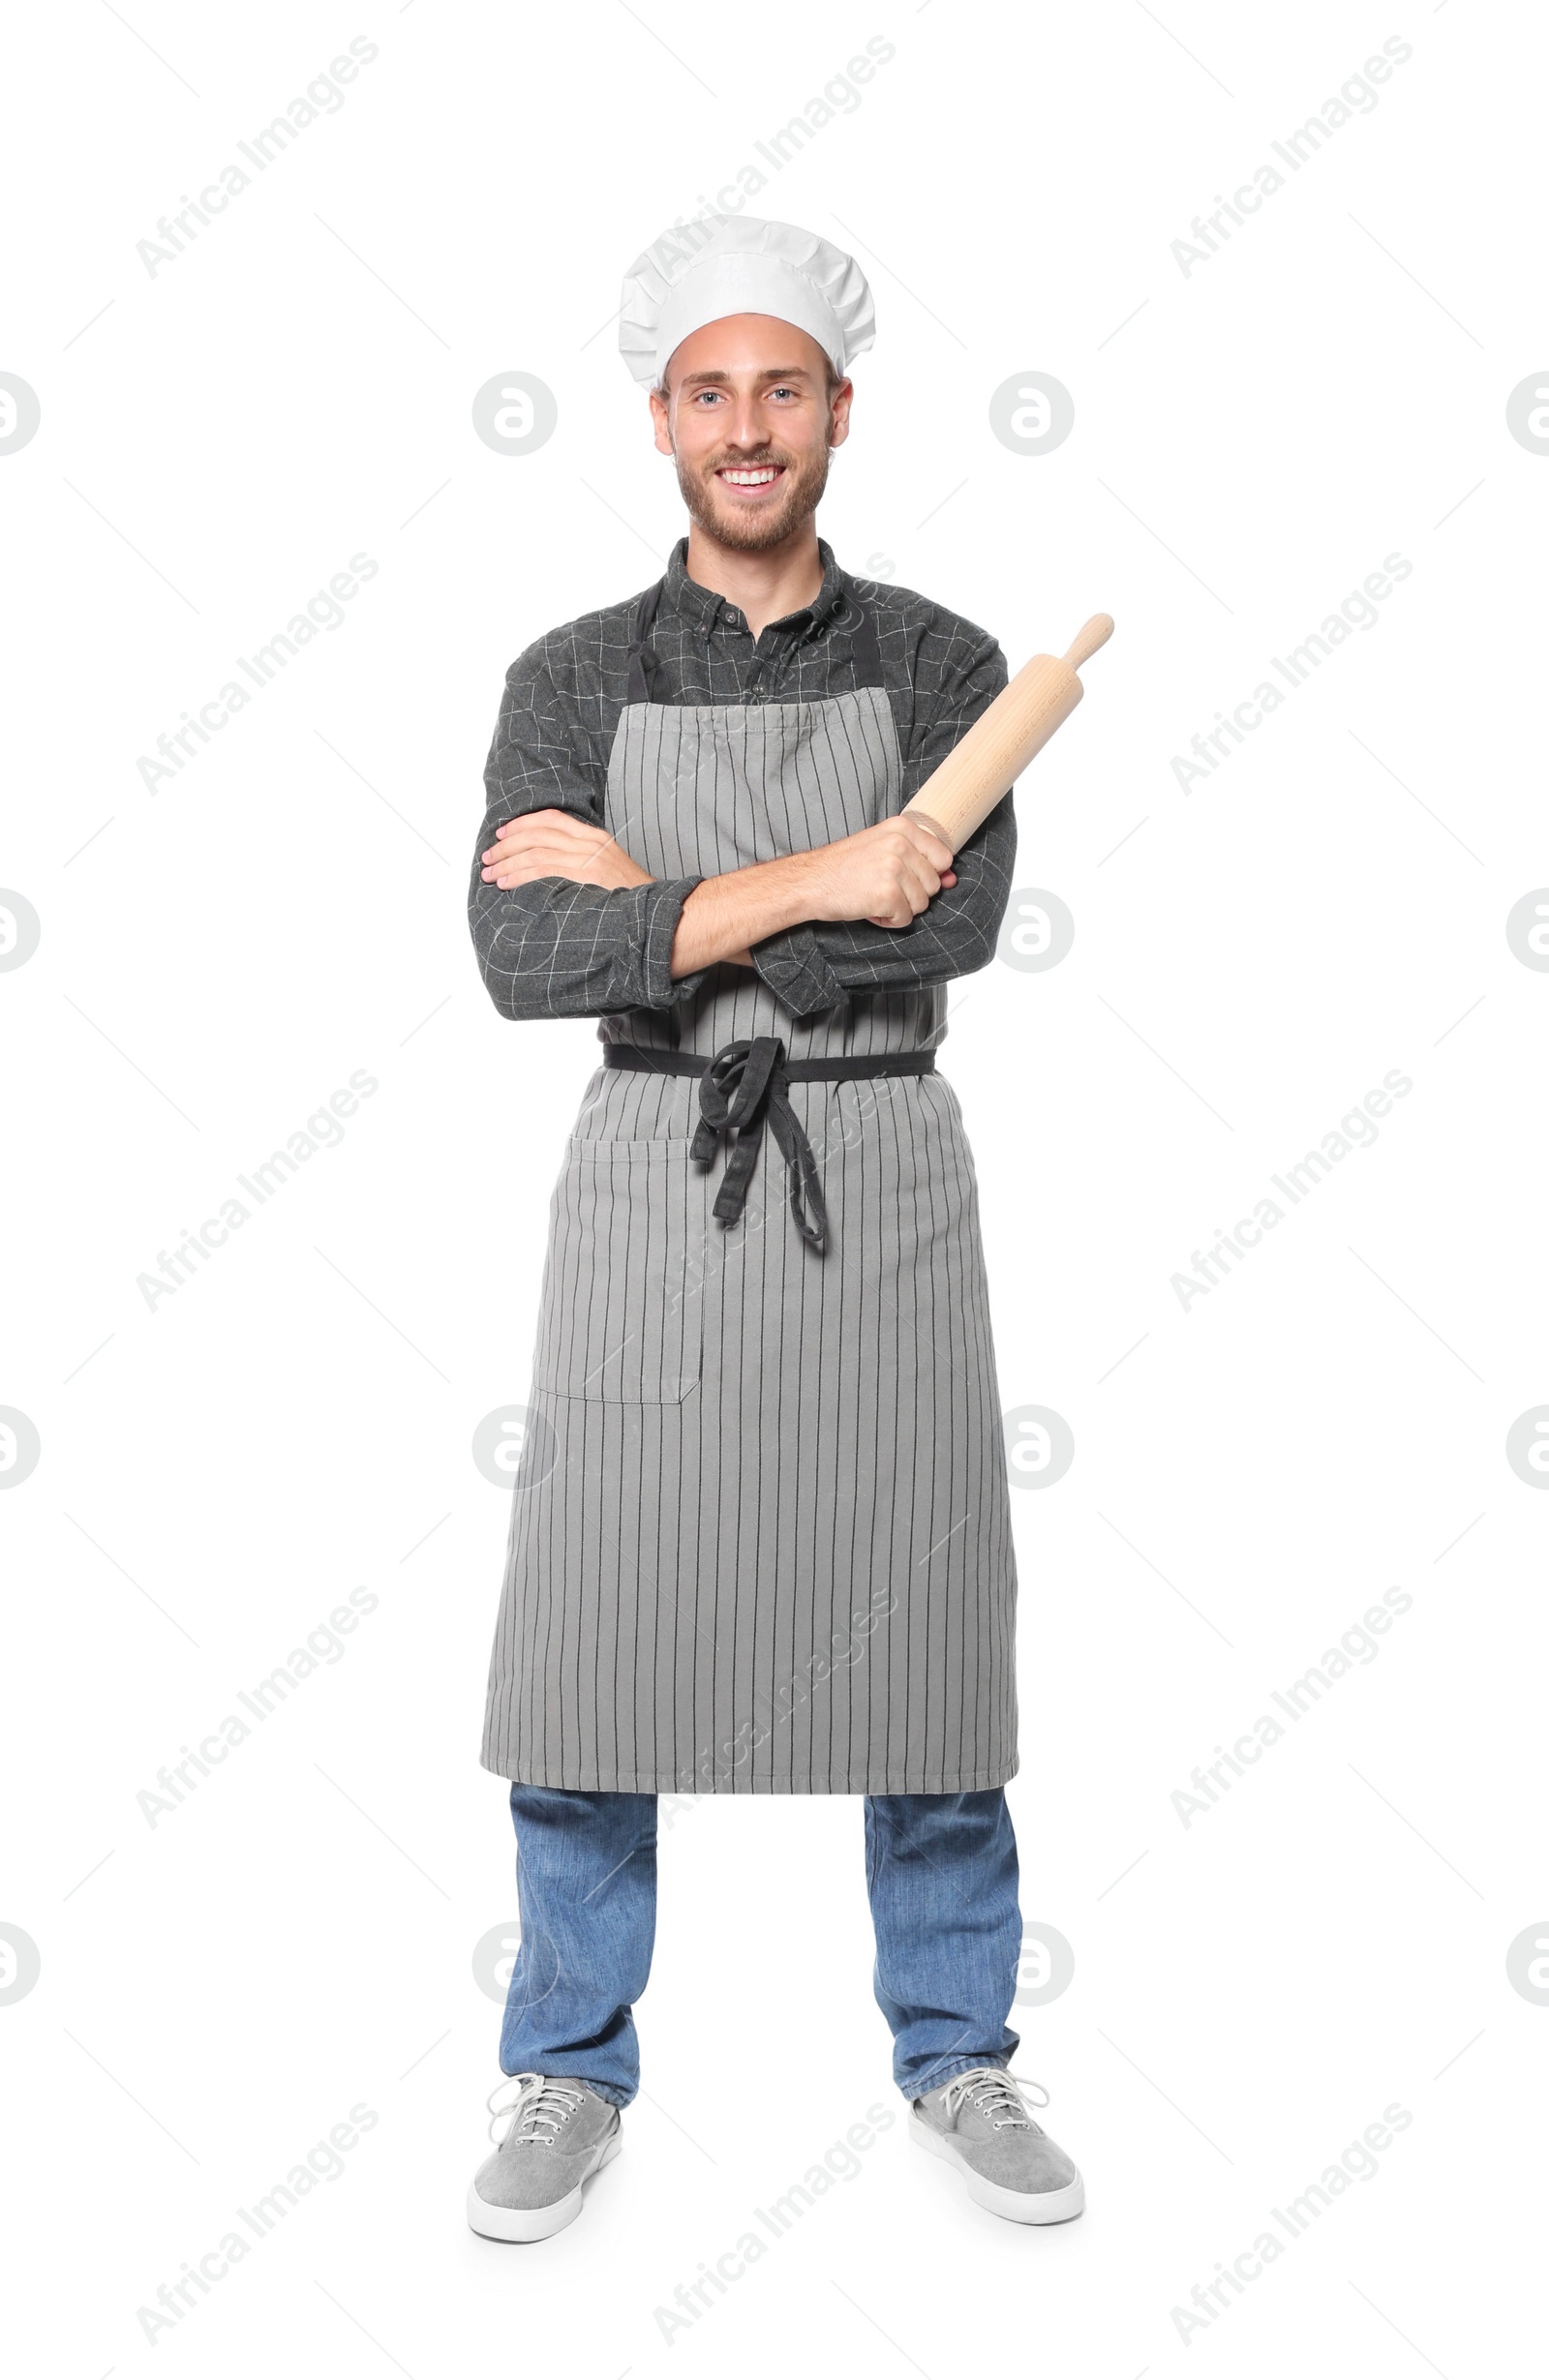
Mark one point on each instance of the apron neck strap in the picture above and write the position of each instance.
(638, 689)
(865, 653)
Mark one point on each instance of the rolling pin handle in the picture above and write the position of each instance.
(1097, 631)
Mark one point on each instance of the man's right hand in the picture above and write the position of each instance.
(887, 874)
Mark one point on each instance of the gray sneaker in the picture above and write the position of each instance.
(979, 2123)
(560, 2133)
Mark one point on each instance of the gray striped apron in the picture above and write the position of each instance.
(760, 1536)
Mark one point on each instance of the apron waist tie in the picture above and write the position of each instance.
(739, 1086)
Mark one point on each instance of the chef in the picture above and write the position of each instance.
(760, 1540)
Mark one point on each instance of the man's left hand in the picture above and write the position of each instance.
(556, 843)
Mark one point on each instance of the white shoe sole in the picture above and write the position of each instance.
(1017, 2206)
(493, 2222)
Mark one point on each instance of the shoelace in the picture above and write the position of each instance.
(540, 2101)
(988, 2089)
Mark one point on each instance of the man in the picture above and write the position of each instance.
(760, 1538)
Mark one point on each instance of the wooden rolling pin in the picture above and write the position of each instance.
(959, 795)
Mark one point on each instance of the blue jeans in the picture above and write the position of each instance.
(941, 1872)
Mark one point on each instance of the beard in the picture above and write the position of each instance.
(723, 519)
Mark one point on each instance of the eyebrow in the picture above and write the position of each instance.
(781, 372)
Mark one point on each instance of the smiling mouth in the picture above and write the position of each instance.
(750, 481)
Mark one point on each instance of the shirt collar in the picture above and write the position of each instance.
(705, 606)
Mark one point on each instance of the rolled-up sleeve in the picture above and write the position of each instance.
(812, 967)
(552, 947)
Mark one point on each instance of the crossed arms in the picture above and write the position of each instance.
(566, 923)
(887, 874)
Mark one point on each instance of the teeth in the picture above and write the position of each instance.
(759, 478)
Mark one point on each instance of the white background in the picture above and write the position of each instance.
(1251, 957)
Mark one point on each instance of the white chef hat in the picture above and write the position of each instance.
(723, 264)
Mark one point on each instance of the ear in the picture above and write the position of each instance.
(839, 413)
(661, 420)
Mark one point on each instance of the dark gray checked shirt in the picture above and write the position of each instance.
(555, 949)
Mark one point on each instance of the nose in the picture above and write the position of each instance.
(741, 425)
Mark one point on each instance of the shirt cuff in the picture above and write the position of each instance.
(795, 970)
(663, 904)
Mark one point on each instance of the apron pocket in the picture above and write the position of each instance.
(621, 1315)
